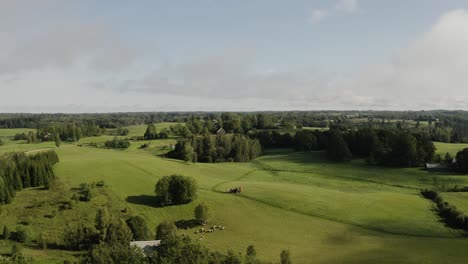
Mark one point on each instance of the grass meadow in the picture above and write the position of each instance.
(322, 212)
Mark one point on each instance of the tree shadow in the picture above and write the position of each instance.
(148, 200)
(187, 224)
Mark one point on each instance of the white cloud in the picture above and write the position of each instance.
(429, 73)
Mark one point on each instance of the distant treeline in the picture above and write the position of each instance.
(220, 148)
(19, 170)
(445, 126)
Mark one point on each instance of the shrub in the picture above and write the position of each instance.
(201, 213)
(175, 189)
(85, 192)
(20, 235)
(6, 233)
(117, 143)
(166, 230)
(139, 228)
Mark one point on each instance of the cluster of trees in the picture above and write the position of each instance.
(389, 147)
(117, 143)
(173, 250)
(107, 229)
(231, 122)
(31, 136)
(151, 133)
(210, 148)
(18, 171)
(451, 215)
(108, 242)
(70, 132)
(175, 189)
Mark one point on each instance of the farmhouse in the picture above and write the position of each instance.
(437, 167)
(146, 246)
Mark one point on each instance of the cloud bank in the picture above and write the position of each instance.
(83, 67)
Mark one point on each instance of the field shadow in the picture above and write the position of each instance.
(147, 200)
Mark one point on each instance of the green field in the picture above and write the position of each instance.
(322, 212)
(443, 148)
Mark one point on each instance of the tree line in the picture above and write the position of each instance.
(389, 147)
(19, 170)
(219, 148)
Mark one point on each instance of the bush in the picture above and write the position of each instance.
(139, 228)
(6, 233)
(117, 143)
(175, 189)
(166, 230)
(86, 193)
(20, 235)
(201, 213)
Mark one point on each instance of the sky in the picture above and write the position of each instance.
(222, 55)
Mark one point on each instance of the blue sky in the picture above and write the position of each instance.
(93, 56)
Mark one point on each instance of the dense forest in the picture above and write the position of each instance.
(19, 170)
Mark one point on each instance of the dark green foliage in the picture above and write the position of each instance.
(201, 213)
(18, 171)
(209, 148)
(6, 233)
(102, 222)
(20, 235)
(113, 254)
(117, 143)
(1, 142)
(285, 257)
(118, 232)
(86, 192)
(337, 148)
(139, 227)
(305, 141)
(69, 131)
(58, 141)
(20, 136)
(166, 230)
(403, 149)
(151, 132)
(462, 161)
(122, 131)
(79, 237)
(175, 189)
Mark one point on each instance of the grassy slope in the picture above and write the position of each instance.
(323, 212)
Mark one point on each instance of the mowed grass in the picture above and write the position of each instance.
(323, 212)
(459, 199)
(443, 148)
(373, 206)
